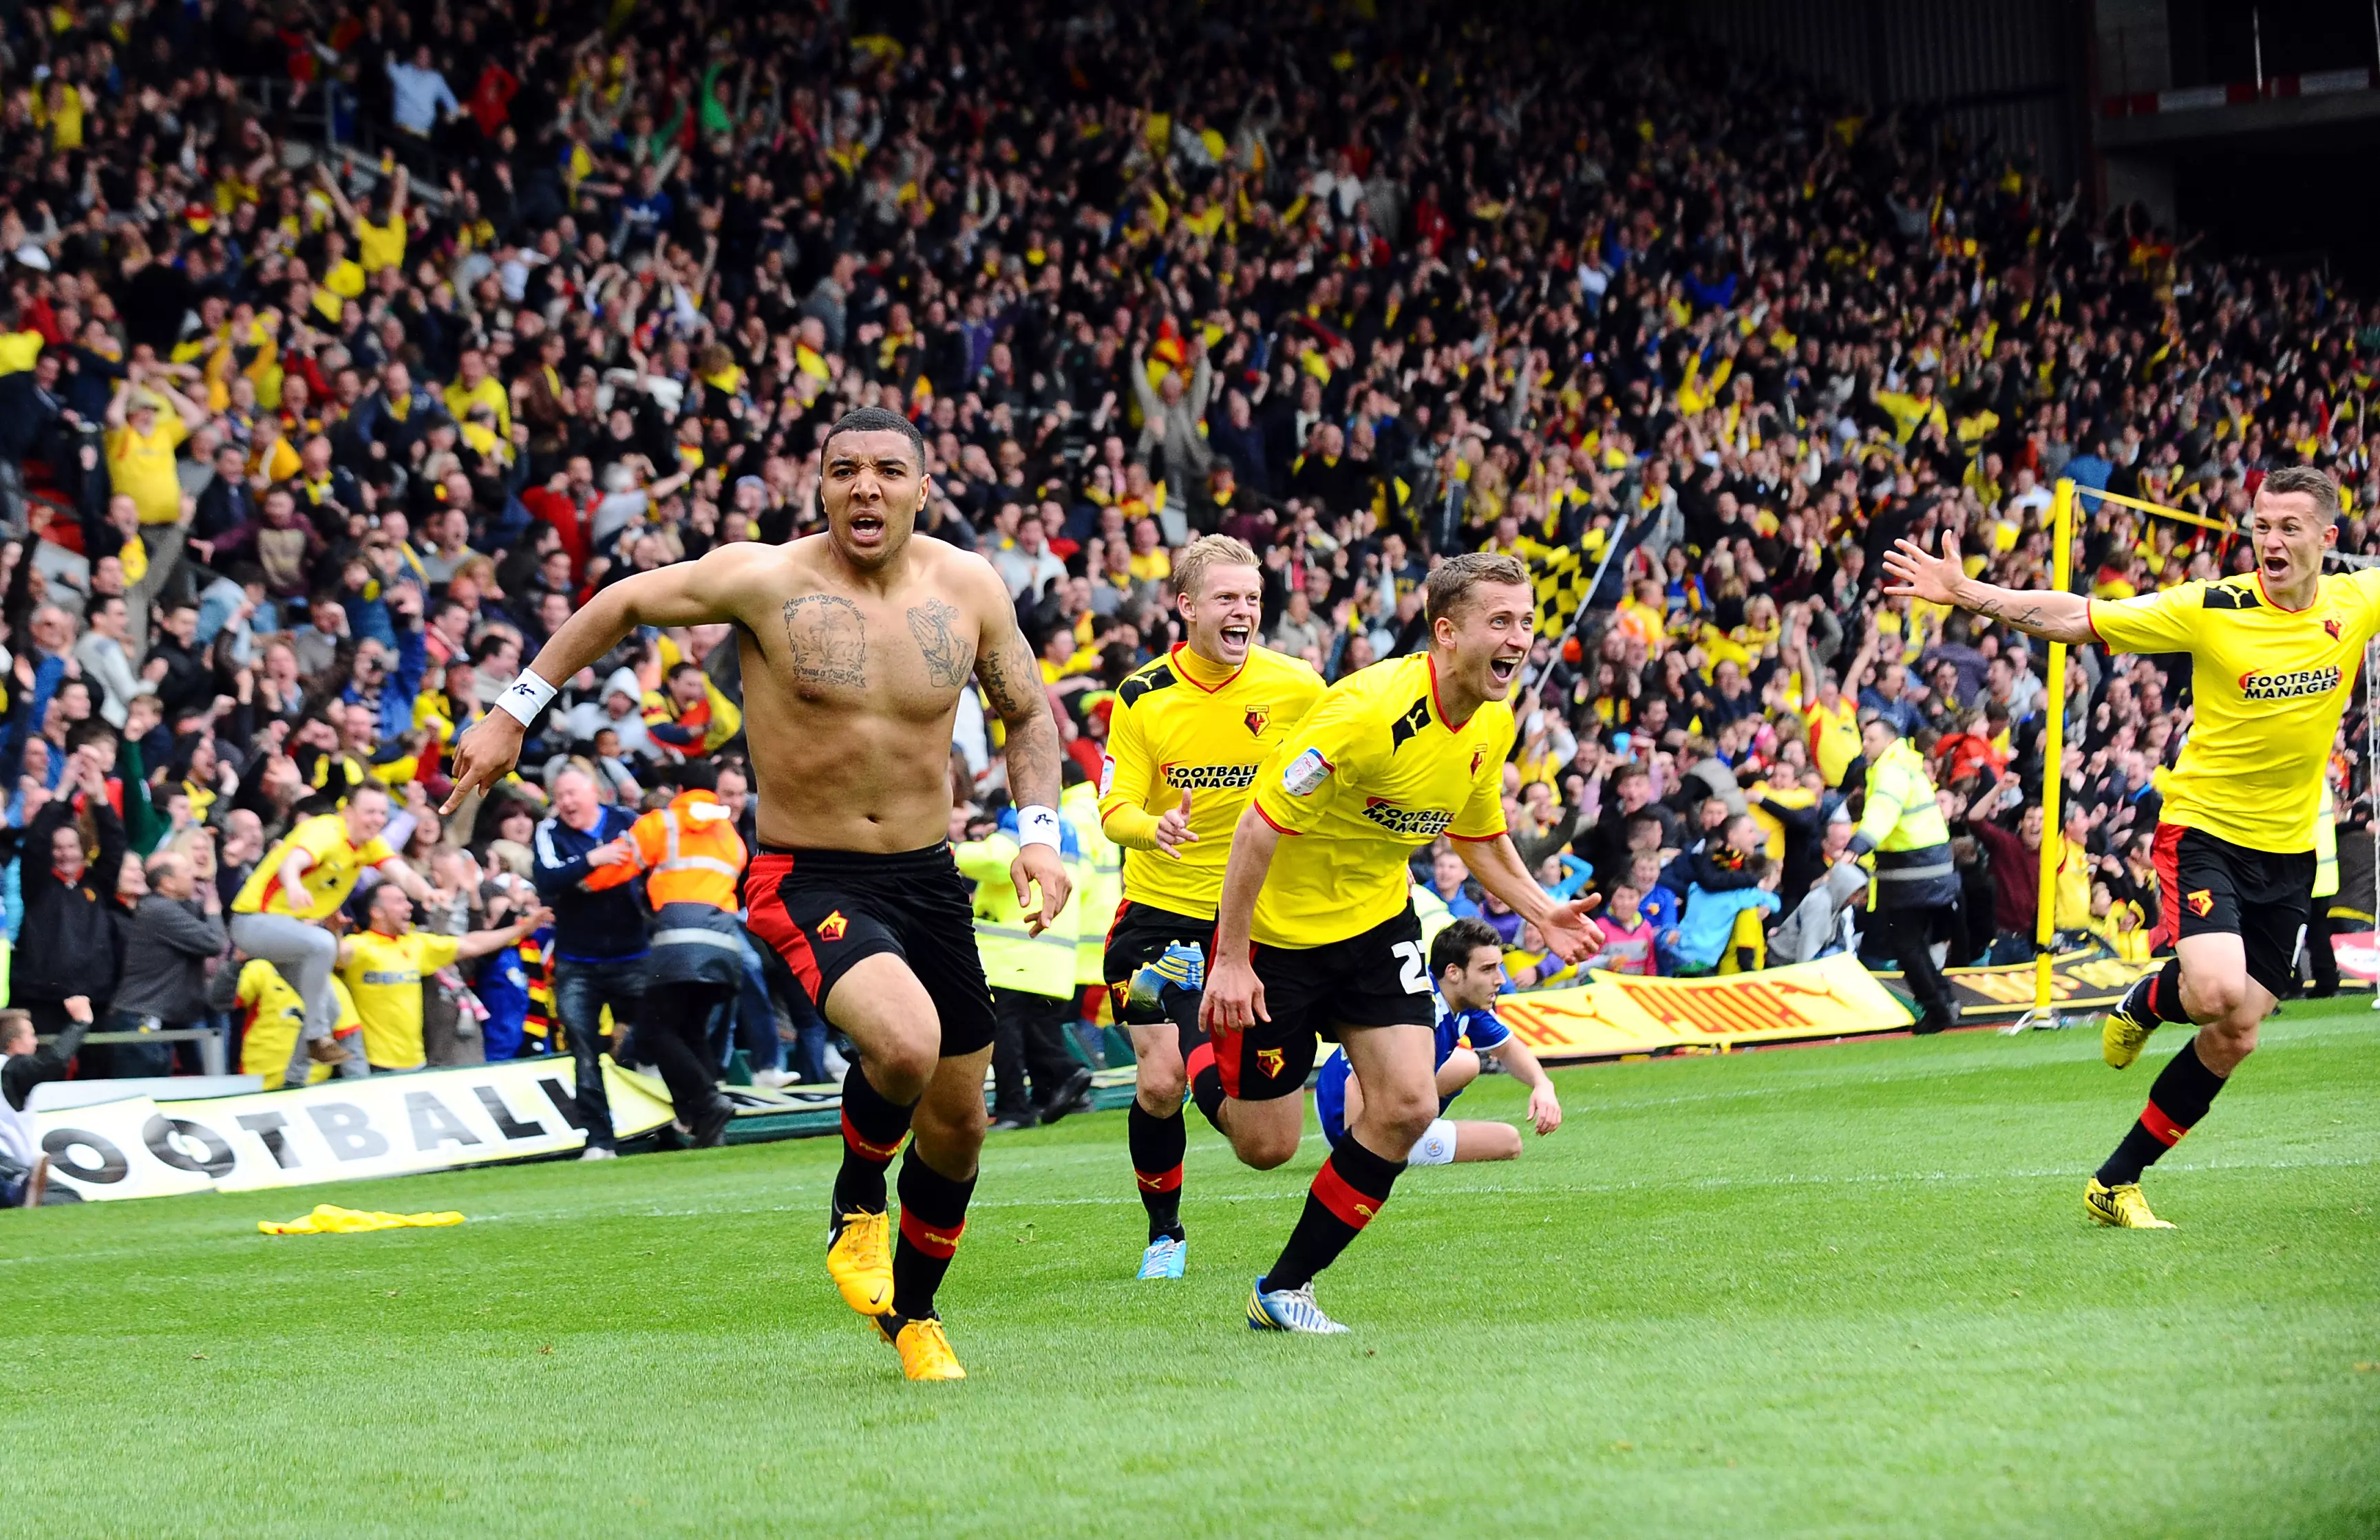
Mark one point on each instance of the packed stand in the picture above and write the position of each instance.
(345, 357)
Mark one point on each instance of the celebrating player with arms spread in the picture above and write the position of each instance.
(1316, 933)
(1190, 732)
(856, 645)
(2273, 654)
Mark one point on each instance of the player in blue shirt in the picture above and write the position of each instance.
(1466, 962)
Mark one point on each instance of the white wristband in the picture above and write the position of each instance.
(526, 698)
(1037, 826)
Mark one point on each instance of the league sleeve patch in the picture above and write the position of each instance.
(1107, 773)
(1306, 773)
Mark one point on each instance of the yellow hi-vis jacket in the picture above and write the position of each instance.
(1013, 957)
(1099, 879)
(1903, 827)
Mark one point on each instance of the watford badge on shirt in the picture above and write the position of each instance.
(1258, 718)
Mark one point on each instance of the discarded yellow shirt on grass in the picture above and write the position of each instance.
(329, 1218)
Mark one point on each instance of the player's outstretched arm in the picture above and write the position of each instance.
(2058, 617)
(1011, 682)
(688, 593)
(1564, 925)
(1234, 999)
(1545, 1106)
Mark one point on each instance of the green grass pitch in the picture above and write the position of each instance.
(1846, 1291)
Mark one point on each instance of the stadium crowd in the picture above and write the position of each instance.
(346, 350)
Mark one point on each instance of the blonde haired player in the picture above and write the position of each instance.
(1189, 733)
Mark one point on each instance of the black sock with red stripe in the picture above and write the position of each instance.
(2183, 1091)
(1157, 1145)
(933, 1216)
(1347, 1192)
(2165, 995)
(1206, 1083)
(872, 1130)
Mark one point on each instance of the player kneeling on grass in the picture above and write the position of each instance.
(1466, 962)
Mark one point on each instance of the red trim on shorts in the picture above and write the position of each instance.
(767, 919)
(1222, 1050)
(1350, 1207)
(2164, 1130)
(933, 1240)
(1267, 817)
(2164, 854)
(1159, 1182)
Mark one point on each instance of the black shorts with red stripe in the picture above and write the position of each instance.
(1378, 977)
(2209, 886)
(826, 911)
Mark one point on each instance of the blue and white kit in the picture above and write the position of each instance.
(1479, 1028)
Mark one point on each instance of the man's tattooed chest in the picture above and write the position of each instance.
(832, 641)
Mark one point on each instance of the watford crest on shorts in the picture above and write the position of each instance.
(833, 926)
(1270, 1059)
(2201, 902)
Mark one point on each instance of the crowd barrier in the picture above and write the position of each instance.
(395, 1125)
(338, 1131)
(1623, 1017)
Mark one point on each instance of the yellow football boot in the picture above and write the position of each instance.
(925, 1351)
(859, 1259)
(2121, 1208)
(2126, 1030)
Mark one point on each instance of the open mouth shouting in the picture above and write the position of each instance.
(866, 529)
(1235, 636)
(1503, 669)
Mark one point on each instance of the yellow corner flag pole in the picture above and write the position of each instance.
(2053, 756)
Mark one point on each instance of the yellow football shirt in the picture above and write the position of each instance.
(142, 468)
(1834, 736)
(384, 973)
(379, 245)
(1182, 725)
(2269, 685)
(1374, 773)
(329, 880)
(271, 1017)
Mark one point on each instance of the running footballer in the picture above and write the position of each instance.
(2273, 655)
(1189, 734)
(1316, 934)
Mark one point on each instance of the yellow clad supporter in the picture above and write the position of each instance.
(385, 964)
(142, 439)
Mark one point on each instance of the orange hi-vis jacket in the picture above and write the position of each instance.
(689, 853)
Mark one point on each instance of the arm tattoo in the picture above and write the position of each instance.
(1013, 681)
(827, 640)
(948, 658)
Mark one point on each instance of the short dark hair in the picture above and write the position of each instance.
(876, 419)
(2313, 480)
(1451, 581)
(694, 775)
(1454, 945)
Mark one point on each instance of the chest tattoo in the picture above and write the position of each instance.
(826, 637)
(949, 658)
